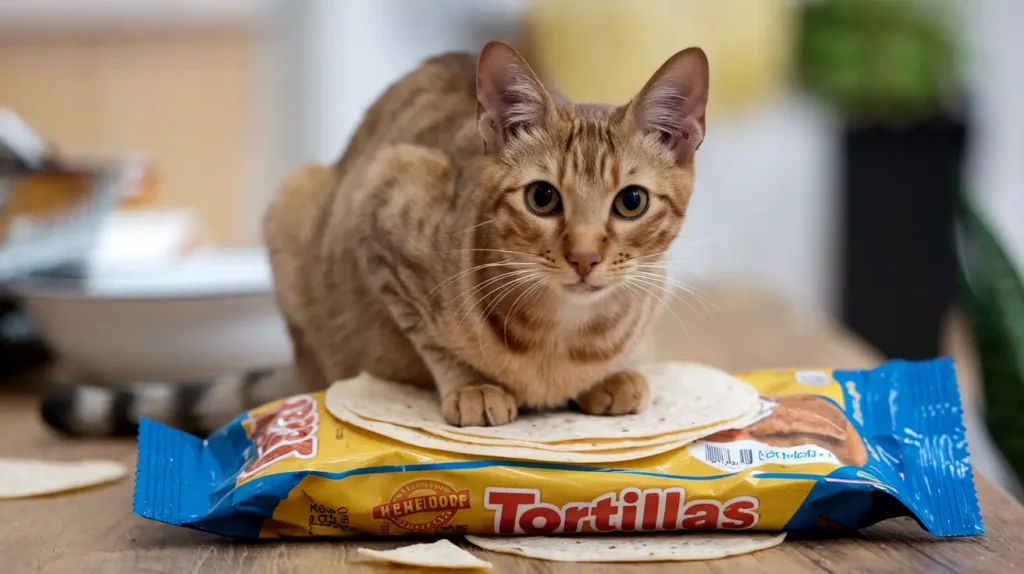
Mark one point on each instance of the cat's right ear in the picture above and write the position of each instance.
(673, 103)
(509, 96)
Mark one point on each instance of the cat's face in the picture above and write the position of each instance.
(594, 195)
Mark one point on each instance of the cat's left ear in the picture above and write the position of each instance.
(674, 101)
(509, 96)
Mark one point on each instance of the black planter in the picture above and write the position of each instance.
(898, 273)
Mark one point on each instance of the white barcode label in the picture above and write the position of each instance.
(744, 454)
(724, 455)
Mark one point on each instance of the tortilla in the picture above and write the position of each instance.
(761, 409)
(440, 554)
(685, 396)
(423, 439)
(647, 548)
(21, 478)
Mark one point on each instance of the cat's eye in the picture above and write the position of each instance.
(543, 199)
(631, 202)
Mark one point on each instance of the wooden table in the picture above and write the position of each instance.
(95, 531)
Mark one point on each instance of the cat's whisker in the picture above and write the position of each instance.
(663, 304)
(693, 241)
(462, 274)
(648, 256)
(655, 284)
(504, 292)
(679, 267)
(477, 300)
(505, 251)
(477, 287)
(696, 294)
(672, 281)
(692, 291)
(500, 297)
(667, 268)
(659, 281)
(630, 292)
(659, 264)
(535, 288)
(473, 227)
(701, 300)
(670, 272)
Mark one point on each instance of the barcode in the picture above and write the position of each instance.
(722, 455)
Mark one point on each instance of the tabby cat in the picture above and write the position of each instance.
(481, 236)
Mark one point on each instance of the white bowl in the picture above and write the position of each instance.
(208, 315)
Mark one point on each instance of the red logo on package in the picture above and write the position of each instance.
(423, 505)
(287, 431)
(520, 511)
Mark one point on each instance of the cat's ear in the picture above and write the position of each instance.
(559, 99)
(509, 96)
(673, 103)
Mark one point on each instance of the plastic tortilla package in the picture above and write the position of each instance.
(776, 451)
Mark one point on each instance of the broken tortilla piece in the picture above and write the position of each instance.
(440, 554)
(23, 478)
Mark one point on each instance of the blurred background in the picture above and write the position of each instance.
(862, 161)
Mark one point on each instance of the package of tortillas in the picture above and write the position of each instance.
(776, 451)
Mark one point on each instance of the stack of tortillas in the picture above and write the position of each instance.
(688, 402)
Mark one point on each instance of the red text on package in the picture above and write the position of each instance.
(520, 511)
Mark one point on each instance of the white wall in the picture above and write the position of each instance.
(327, 60)
(997, 154)
(764, 207)
(349, 51)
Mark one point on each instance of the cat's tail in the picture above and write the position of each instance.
(196, 407)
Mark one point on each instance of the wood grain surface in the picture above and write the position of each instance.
(95, 531)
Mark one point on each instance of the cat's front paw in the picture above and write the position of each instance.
(479, 405)
(623, 393)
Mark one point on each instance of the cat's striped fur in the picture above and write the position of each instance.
(417, 258)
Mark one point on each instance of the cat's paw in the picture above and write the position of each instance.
(623, 393)
(479, 405)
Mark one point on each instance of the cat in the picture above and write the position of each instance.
(481, 236)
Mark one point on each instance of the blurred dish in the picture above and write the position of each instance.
(209, 314)
(52, 203)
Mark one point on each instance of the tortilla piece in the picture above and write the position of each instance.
(423, 439)
(21, 478)
(440, 554)
(648, 548)
(685, 396)
(756, 413)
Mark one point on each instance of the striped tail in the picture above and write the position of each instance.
(196, 407)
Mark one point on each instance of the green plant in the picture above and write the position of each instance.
(991, 293)
(884, 60)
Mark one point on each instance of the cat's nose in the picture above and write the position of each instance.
(583, 261)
